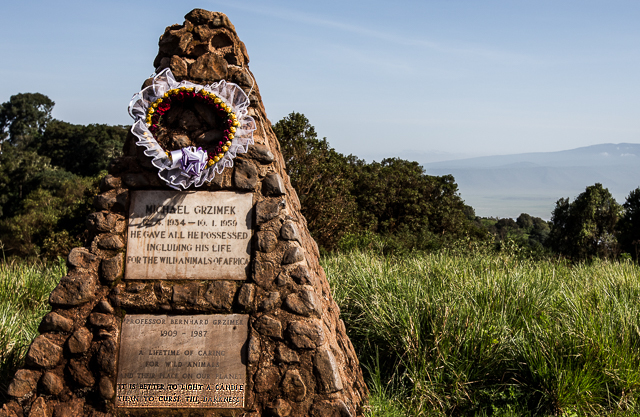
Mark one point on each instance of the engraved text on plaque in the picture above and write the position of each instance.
(189, 235)
(182, 361)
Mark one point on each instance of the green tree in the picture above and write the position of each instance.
(82, 150)
(322, 178)
(393, 199)
(43, 206)
(17, 171)
(585, 227)
(397, 199)
(525, 222)
(24, 118)
(51, 218)
(629, 225)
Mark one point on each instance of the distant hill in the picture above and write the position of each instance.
(507, 185)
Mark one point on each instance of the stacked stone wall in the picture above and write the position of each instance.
(300, 361)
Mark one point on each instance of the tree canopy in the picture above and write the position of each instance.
(49, 171)
(629, 225)
(343, 195)
(24, 118)
(585, 227)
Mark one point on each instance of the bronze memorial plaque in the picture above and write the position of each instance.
(194, 361)
(187, 235)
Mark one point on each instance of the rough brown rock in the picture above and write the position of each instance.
(325, 365)
(23, 382)
(266, 379)
(51, 383)
(83, 258)
(80, 341)
(266, 241)
(330, 408)
(80, 373)
(269, 326)
(110, 242)
(39, 408)
(74, 289)
(289, 231)
(220, 294)
(209, 67)
(264, 273)
(105, 387)
(270, 301)
(293, 255)
(261, 154)
(54, 322)
(254, 349)
(140, 180)
(72, 408)
(246, 296)
(245, 175)
(199, 16)
(186, 293)
(306, 335)
(104, 306)
(175, 42)
(135, 297)
(11, 409)
(272, 185)
(268, 209)
(110, 183)
(112, 269)
(104, 222)
(301, 275)
(112, 200)
(279, 408)
(102, 321)
(286, 355)
(43, 353)
(106, 356)
(304, 303)
(179, 67)
(293, 385)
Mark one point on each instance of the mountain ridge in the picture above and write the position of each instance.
(507, 185)
(607, 153)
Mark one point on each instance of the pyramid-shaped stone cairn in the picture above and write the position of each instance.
(204, 302)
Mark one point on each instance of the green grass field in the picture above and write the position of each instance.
(450, 333)
(24, 295)
(492, 334)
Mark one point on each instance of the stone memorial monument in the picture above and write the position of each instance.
(198, 292)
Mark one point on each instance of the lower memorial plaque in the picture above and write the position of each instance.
(182, 361)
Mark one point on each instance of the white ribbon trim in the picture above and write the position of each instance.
(230, 93)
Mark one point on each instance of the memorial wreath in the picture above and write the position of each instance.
(222, 107)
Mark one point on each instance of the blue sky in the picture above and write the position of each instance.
(426, 80)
